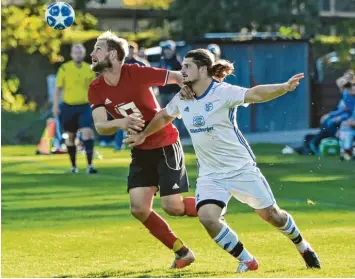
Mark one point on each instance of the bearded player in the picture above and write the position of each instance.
(158, 164)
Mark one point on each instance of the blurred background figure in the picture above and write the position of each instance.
(347, 133)
(73, 80)
(141, 54)
(169, 60)
(345, 81)
(330, 122)
(215, 50)
(133, 58)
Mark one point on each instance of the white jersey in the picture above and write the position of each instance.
(220, 147)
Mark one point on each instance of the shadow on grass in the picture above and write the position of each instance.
(155, 273)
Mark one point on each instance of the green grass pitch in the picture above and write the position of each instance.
(60, 225)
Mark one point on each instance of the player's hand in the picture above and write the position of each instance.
(186, 93)
(134, 140)
(133, 124)
(293, 82)
(55, 111)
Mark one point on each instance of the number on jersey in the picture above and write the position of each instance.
(128, 109)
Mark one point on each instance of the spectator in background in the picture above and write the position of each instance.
(170, 61)
(346, 80)
(73, 79)
(347, 134)
(330, 122)
(141, 54)
(133, 58)
(215, 50)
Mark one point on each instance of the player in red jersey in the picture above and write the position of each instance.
(125, 92)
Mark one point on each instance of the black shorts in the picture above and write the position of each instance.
(163, 167)
(75, 117)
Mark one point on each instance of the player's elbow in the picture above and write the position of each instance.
(252, 96)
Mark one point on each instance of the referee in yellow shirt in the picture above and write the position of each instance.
(73, 80)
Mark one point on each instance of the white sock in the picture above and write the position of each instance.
(292, 232)
(228, 240)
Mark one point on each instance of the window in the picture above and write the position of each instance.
(345, 6)
(325, 5)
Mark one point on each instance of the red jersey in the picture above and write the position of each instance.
(133, 94)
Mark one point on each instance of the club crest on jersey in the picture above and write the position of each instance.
(209, 106)
(198, 121)
(187, 109)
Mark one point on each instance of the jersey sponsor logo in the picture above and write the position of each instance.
(198, 121)
(128, 109)
(209, 106)
(108, 101)
(187, 109)
(200, 130)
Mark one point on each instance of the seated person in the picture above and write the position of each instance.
(346, 136)
(331, 122)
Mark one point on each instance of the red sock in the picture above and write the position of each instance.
(160, 229)
(190, 206)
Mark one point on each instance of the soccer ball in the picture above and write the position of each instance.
(60, 15)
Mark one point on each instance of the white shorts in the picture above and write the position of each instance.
(247, 185)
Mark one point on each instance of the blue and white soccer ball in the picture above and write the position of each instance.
(60, 15)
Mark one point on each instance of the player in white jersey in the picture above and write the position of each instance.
(226, 163)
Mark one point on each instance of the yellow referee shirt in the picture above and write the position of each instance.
(75, 82)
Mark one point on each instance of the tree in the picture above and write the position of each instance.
(197, 17)
(81, 4)
(152, 4)
(25, 27)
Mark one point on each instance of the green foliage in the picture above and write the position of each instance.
(12, 100)
(151, 4)
(146, 38)
(198, 16)
(289, 32)
(323, 45)
(25, 27)
(21, 128)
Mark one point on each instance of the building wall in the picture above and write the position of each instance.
(263, 63)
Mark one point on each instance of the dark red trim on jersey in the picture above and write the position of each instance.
(96, 106)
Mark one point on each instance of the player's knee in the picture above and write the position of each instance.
(70, 140)
(174, 209)
(140, 212)
(273, 215)
(87, 133)
(209, 222)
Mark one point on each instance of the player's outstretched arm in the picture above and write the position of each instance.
(103, 126)
(159, 121)
(175, 77)
(267, 92)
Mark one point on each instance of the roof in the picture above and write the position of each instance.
(246, 38)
